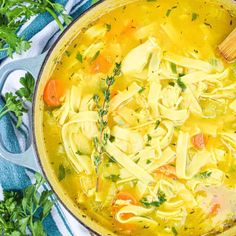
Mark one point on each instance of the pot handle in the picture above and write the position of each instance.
(27, 158)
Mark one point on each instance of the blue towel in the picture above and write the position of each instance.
(40, 29)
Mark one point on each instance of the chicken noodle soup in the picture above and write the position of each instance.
(139, 119)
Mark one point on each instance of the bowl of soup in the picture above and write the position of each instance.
(134, 118)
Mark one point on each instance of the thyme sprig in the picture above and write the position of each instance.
(101, 141)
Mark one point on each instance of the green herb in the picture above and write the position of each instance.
(169, 11)
(181, 84)
(194, 16)
(95, 56)
(173, 68)
(204, 175)
(108, 27)
(113, 178)
(141, 90)
(23, 211)
(16, 102)
(157, 124)
(148, 161)
(79, 152)
(174, 231)
(67, 53)
(149, 137)
(172, 84)
(14, 13)
(61, 172)
(112, 138)
(79, 57)
(102, 107)
(26, 92)
(159, 202)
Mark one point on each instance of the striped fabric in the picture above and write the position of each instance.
(42, 31)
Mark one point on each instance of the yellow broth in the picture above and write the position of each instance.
(188, 28)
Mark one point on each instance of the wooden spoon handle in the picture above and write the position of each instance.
(228, 47)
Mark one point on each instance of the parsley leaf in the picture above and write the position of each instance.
(181, 84)
(24, 210)
(16, 102)
(204, 175)
(194, 16)
(159, 202)
(113, 178)
(14, 13)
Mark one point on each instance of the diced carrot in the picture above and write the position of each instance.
(125, 196)
(53, 92)
(214, 210)
(100, 65)
(167, 170)
(199, 141)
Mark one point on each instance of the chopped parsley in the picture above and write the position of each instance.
(79, 57)
(157, 124)
(159, 202)
(113, 178)
(148, 161)
(204, 175)
(174, 231)
(169, 11)
(61, 172)
(194, 16)
(95, 56)
(181, 84)
(172, 84)
(108, 27)
(149, 137)
(68, 53)
(173, 68)
(141, 90)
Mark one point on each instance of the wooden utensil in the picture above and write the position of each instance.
(228, 47)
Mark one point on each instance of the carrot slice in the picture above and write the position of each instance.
(199, 141)
(167, 170)
(125, 196)
(100, 65)
(214, 210)
(53, 92)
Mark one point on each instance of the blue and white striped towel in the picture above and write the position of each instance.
(42, 31)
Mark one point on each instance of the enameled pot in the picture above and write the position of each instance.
(41, 67)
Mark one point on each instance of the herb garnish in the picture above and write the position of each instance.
(113, 178)
(16, 102)
(174, 231)
(194, 16)
(157, 124)
(25, 210)
(169, 11)
(95, 56)
(61, 173)
(108, 27)
(101, 141)
(159, 202)
(204, 175)
(181, 84)
(14, 13)
(173, 68)
(79, 57)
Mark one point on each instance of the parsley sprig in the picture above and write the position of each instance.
(102, 107)
(161, 199)
(23, 211)
(14, 13)
(16, 102)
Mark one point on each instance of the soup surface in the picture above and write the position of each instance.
(140, 119)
